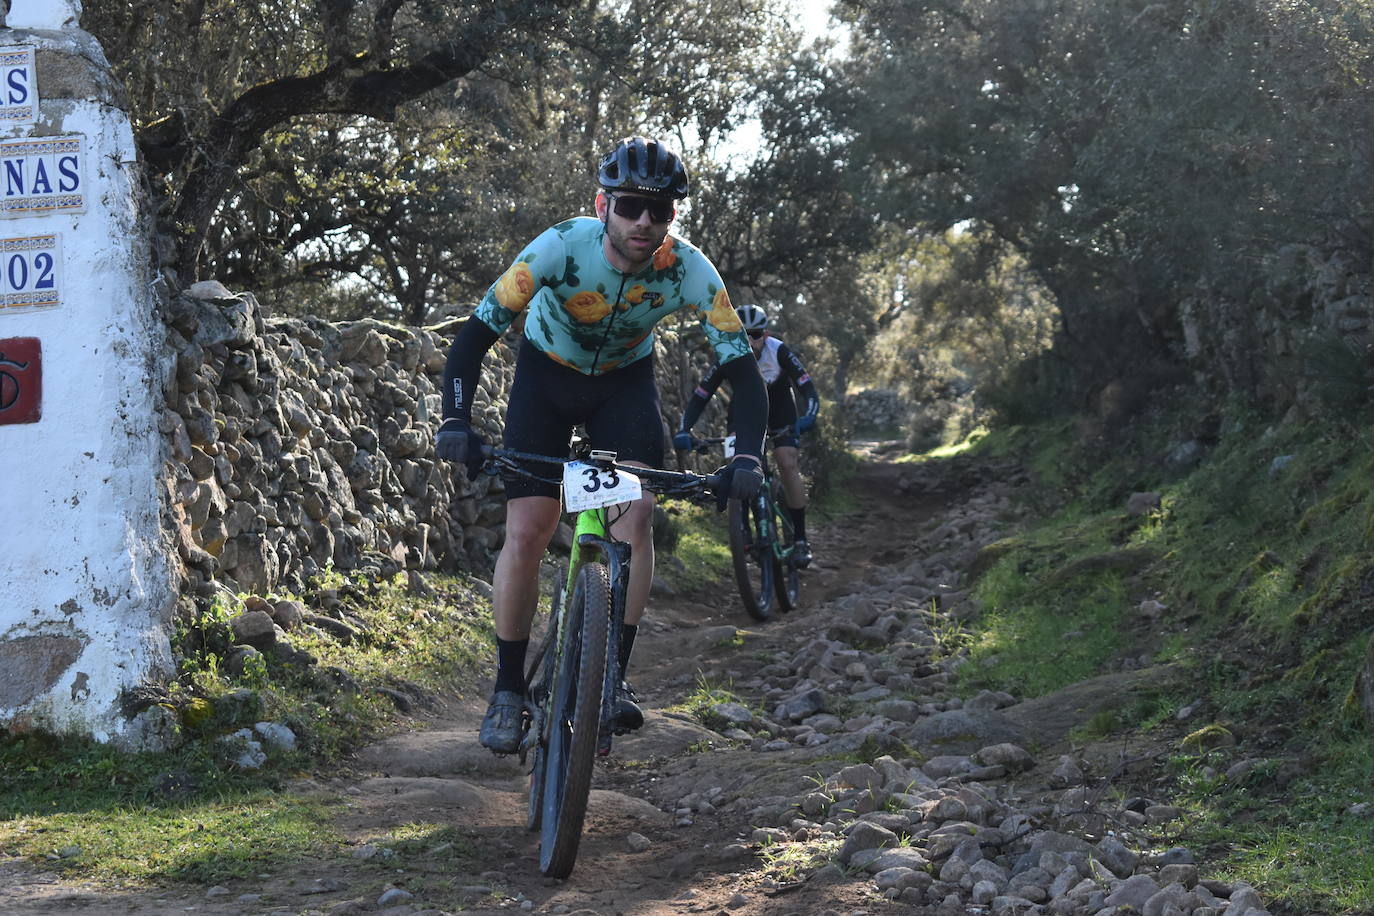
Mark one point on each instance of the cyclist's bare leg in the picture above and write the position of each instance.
(794, 494)
(636, 526)
(789, 470)
(530, 524)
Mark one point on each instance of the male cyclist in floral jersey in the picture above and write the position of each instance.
(782, 371)
(591, 291)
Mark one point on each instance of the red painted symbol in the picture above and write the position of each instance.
(21, 380)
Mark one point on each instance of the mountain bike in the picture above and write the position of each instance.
(760, 542)
(571, 679)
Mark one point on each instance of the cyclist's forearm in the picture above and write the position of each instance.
(701, 396)
(464, 366)
(750, 405)
(691, 413)
(813, 400)
(801, 380)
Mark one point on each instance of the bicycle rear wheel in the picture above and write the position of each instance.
(786, 576)
(573, 720)
(751, 552)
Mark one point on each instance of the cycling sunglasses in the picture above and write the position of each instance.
(631, 208)
(756, 334)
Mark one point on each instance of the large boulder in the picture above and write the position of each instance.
(961, 731)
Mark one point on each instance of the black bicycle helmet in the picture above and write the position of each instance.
(645, 166)
(752, 317)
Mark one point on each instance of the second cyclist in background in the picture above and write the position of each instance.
(782, 371)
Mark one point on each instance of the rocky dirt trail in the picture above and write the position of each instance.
(977, 806)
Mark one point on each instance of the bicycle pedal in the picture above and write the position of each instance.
(533, 729)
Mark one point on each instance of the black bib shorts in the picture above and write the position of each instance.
(619, 411)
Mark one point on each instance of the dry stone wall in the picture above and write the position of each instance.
(876, 409)
(296, 445)
(1302, 295)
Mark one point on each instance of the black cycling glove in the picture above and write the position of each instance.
(742, 480)
(456, 441)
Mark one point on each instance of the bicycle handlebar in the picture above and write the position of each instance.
(702, 445)
(681, 484)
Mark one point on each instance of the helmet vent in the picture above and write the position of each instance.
(643, 165)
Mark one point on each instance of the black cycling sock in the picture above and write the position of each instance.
(798, 523)
(510, 664)
(627, 644)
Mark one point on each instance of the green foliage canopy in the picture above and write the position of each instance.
(1133, 152)
(389, 156)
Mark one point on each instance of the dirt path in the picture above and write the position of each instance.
(675, 867)
(643, 853)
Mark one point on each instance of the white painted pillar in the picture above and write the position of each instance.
(43, 14)
(85, 586)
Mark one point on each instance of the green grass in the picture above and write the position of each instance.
(830, 496)
(188, 814)
(707, 694)
(789, 862)
(438, 843)
(1054, 607)
(1268, 577)
(735, 641)
(1144, 712)
(428, 641)
(871, 749)
(413, 645)
(1035, 648)
(184, 815)
(213, 842)
(701, 547)
(950, 450)
(1307, 855)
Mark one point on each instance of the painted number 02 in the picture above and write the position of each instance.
(26, 271)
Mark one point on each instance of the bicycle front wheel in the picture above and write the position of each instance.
(537, 683)
(573, 720)
(751, 552)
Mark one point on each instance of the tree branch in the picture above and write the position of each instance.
(358, 85)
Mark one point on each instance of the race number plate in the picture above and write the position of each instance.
(588, 487)
(728, 446)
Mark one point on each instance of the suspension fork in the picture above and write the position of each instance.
(592, 542)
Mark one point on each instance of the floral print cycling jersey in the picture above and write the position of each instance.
(587, 315)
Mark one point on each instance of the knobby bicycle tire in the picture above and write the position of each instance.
(537, 682)
(574, 718)
(751, 553)
(786, 576)
(535, 809)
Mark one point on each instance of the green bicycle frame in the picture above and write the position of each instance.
(589, 522)
(592, 541)
(773, 513)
